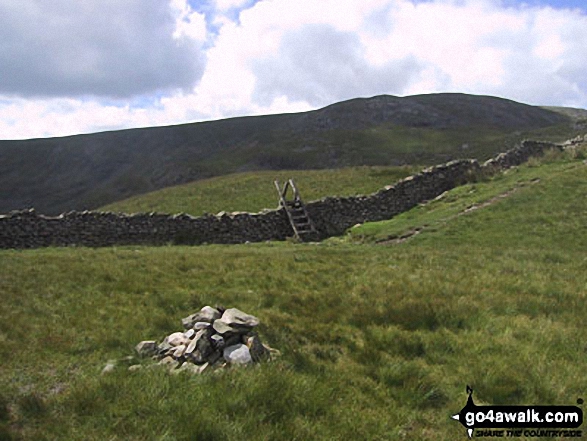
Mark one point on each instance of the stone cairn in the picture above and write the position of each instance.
(213, 337)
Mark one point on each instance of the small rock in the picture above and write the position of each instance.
(237, 354)
(236, 317)
(179, 351)
(206, 314)
(146, 348)
(109, 368)
(201, 325)
(177, 339)
(189, 333)
(135, 367)
(222, 328)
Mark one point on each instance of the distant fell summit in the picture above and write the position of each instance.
(87, 171)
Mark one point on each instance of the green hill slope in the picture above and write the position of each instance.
(87, 171)
(378, 341)
(254, 191)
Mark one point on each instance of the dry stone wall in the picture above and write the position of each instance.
(331, 215)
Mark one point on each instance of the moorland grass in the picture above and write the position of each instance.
(377, 341)
(254, 191)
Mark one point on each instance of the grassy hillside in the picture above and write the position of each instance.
(254, 191)
(378, 340)
(88, 171)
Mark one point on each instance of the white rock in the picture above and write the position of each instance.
(177, 339)
(209, 313)
(189, 333)
(237, 354)
(201, 325)
(179, 351)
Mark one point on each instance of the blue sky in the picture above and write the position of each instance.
(554, 3)
(76, 67)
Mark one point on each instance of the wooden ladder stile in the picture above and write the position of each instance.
(302, 225)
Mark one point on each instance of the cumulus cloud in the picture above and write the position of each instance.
(104, 48)
(225, 5)
(320, 65)
(209, 59)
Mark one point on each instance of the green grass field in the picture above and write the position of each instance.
(379, 337)
(253, 192)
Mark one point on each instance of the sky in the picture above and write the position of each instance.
(71, 66)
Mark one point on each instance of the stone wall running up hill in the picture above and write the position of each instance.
(331, 215)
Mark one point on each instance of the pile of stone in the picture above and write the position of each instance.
(212, 337)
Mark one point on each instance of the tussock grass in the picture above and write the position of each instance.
(377, 341)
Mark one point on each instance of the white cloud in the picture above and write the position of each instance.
(278, 56)
(225, 5)
(188, 23)
(319, 65)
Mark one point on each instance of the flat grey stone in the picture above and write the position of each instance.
(222, 327)
(236, 317)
